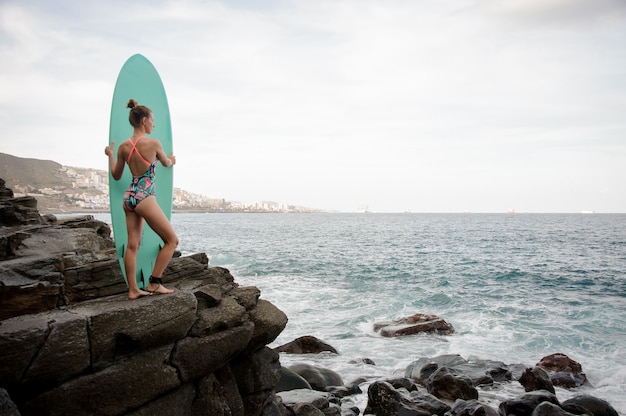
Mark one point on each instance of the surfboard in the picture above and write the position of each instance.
(140, 80)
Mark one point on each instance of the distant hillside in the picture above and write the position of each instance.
(61, 188)
(34, 173)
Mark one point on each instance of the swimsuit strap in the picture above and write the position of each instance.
(135, 150)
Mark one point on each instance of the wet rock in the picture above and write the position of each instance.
(414, 324)
(563, 371)
(536, 378)
(309, 402)
(306, 345)
(7, 407)
(344, 391)
(471, 408)
(526, 404)
(319, 378)
(594, 405)
(384, 400)
(291, 381)
(444, 383)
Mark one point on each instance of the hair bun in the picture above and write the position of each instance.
(131, 104)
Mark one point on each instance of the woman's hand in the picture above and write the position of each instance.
(172, 158)
(109, 149)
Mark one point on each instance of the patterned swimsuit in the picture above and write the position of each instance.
(143, 185)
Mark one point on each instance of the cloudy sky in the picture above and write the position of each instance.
(397, 105)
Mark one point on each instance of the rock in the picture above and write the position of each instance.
(594, 405)
(289, 380)
(536, 378)
(309, 402)
(402, 383)
(136, 357)
(119, 388)
(7, 407)
(480, 372)
(5, 193)
(445, 384)
(319, 378)
(306, 345)
(420, 370)
(550, 409)
(269, 322)
(414, 324)
(344, 391)
(471, 408)
(384, 400)
(526, 404)
(256, 374)
(563, 371)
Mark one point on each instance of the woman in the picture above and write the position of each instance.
(140, 199)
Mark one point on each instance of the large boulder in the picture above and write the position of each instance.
(526, 404)
(384, 400)
(563, 371)
(414, 324)
(318, 377)
(307, 344)
(594, 405)
(536, 378)
(444, 383)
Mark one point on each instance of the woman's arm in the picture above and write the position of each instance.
(117, 168)
(167, 161)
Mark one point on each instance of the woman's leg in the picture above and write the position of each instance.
(150, 210)
(134, 227)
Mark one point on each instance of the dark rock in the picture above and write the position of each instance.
(445, 384)
(7, 407)
(256, 374)
(471, 408)
(306, 409)
(536, 378)
(526, 404)
(319, 378)
(196, 357)
(291, 381)
(119, 388)
(344, 391)
(429, 402)
(210, 398)
(179, 399)
(321, 405)
(402, 383)
(563, 371)
(421, 369)
(5, 193)
(593, 405)
(269, 322)
(363, 360)
(227, 314)
(550, 409)
(246, 296)
(414, 324)
(306, 345)
(384, 400)
(74, 344)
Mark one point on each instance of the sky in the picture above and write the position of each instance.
(389, 105)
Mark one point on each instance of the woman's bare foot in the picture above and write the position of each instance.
(158, 289)
(135, 294)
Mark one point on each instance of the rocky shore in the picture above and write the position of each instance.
(71, 343)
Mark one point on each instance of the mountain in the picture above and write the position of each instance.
(36, 173)
(61, 188)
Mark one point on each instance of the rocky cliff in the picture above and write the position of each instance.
(72, 344)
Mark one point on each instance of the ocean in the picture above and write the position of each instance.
(516, 287)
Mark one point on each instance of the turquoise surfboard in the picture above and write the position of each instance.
(140, 80)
